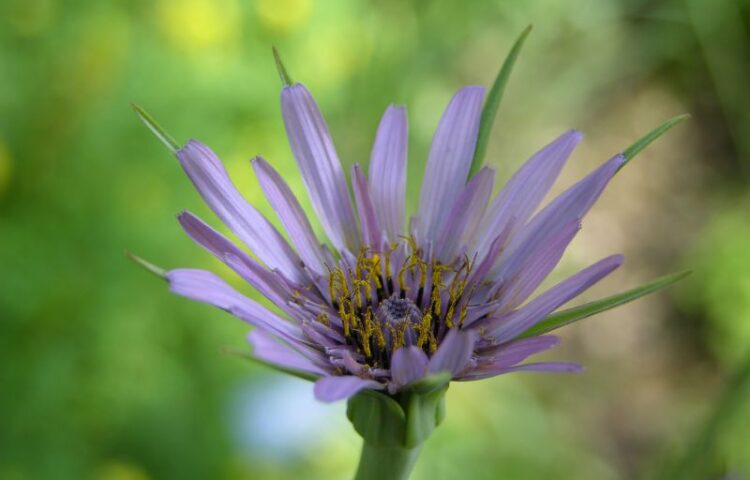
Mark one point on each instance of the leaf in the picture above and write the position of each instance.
(646, 140)
(562, 318)
(493, 102)
(424, 412)
(289, 371)
(156, 129)
(286, 80)
(148, 266)
(378, 418)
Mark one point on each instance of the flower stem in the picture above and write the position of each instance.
(386, 462)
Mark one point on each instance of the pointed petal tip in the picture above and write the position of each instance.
(159, 132)
(286, 80)
(146, 265)
(575, 135)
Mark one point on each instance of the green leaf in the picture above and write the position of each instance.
(148, 266)
(646, 140)
(378, 418)
(156, 129)
(559, 319)
(493, 102)
(424, 412)
(289, 371)
(283, 73)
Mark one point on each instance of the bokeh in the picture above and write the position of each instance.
(105, 375)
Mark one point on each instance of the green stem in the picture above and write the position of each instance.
(386, 462)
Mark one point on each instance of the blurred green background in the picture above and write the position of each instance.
(105, 375)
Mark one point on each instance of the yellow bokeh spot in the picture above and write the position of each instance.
(6, 167)
(195, 25)
(283, 15)
(338, 50)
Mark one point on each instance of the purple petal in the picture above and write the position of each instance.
(206, 287)
(522, 274)
(371, 232)
(388, 171)
(290, 213)
(212, 181)
(572, 204)
(408, 365)
(510, 326)
(335, 388)
(509, 354)
(454, 353)
(269, 349)
(450, 158)
(526, 189)
(556, 367)
(251, 271)
(462, 221)
(320, 166)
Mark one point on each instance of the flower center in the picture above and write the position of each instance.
(386, 300)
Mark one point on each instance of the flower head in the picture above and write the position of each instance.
(389, 305)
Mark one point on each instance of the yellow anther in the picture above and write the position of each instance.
(425, 329)
(401, 281)
(366, 331)
(323, 318)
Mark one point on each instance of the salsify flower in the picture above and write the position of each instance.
(390, 307)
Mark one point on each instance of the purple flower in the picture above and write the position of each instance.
(389, 305)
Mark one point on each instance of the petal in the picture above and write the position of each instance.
(206, 287)
(459, 225)
(454, 353)
(371, 232)
(212, 181)
(512, 325)
(269, 349)
(556, 367)
(408, 365)
(290, 213)
(509, 354)
(335, 388)
(572, 204)
(251, 271)
(523, 193)
(320, 166)
(450, 158)
(522, 274)
(388, 171)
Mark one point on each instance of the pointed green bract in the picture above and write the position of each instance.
(378, 418)
(148, 266)
(424, 413)
(156, 129)
(493, 102)
(283, 73)
(560, 319)
(289, 371)
(645, 140)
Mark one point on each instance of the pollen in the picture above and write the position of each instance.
(388, 299)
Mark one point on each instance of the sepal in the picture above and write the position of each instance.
(403, 421)
(377, 418)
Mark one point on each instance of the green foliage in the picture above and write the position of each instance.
(646, 140)
(492, 103)
(565, 317)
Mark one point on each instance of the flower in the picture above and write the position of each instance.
(389, 305)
